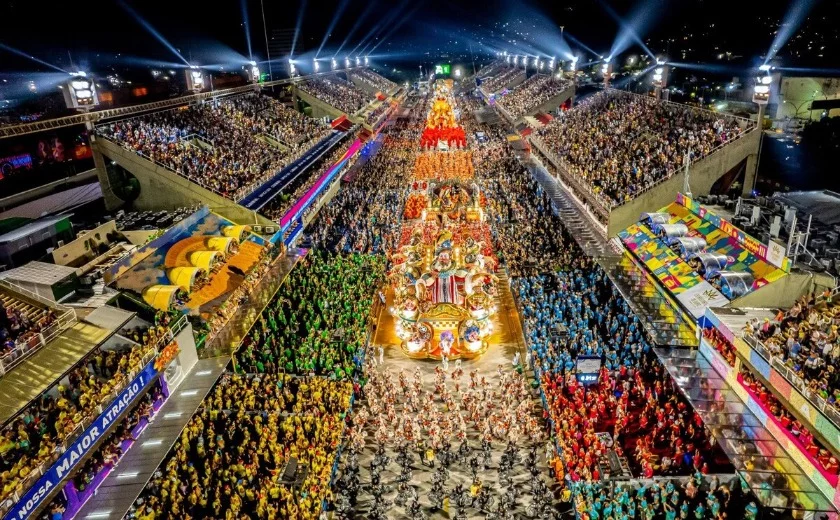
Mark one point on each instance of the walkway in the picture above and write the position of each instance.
(125, 483)
(272, 187)
(580, 226)
(226, 341)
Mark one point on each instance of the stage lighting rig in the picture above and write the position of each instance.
(367, 61)
(508, 60)
(315, 65)
(358, 61)
(551, 63)
(606, 71)
(195, 79)
(334, 64)
(346, 63)
(80, 92)
(573, 65)
(761, 91)
(660, 78)
(254, 72)
(292, 68)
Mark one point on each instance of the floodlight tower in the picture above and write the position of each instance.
(660, 78)
(253, 72)
(761, 91)
(80, 92)
(606, 71)
(195, 79)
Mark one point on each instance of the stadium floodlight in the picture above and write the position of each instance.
(358, 61)
(255, 72)
(334, 64)
(80, 93)
(516, 60)
(346, 63)
(315, 65)
(195, 79)
(508, 60)
(536, 61)
(292, 69)
(367, 61)
(761, 91)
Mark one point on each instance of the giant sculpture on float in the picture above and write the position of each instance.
(443, 272)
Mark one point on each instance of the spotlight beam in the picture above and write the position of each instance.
(793, 19)
(380, 27)
(146, 25)
(580, 43)
(244, 5)
(299, 23)
(338, 12)
(356, 25)
(642, 16)
(30, 57)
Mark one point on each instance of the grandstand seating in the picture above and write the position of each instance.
(532, 93)
(622, 144)
(374, 80)
(20, 323)
(337, 92)
(229, 147)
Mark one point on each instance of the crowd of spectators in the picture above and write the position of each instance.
(622, 144)
(806, 340)
(35, 436)
(501, 80)
(20, 324)
(220, 145)
(373, 79)
(298, 187)
(532, 93)
(108, 454)
(821, 455)
(337, 92)
(317, 322)
(364, 217)
(280, 393)
(695, 497)
(231, 465)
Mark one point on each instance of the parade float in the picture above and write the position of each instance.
(443, 271)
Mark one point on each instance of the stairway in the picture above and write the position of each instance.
(665, 324)
(588, 237)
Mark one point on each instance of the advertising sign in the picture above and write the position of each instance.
(68, 461)
(588, 368)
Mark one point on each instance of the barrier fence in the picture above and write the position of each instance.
(776, 361)
(120, 382)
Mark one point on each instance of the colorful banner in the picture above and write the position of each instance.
(746, 241)
(65, 464)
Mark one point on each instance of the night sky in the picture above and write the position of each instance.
(107, 35)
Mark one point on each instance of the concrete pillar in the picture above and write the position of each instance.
(750, 174)
(112, 202)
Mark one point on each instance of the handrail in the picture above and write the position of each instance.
(831, 412)
(121, 382)
(35, 343)
(609, 205)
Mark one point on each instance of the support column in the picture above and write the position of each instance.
(112, 202)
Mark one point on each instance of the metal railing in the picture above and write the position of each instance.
(65, 317)
(829, 410)
(596, 201)
(606, 204)
(120, 381)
